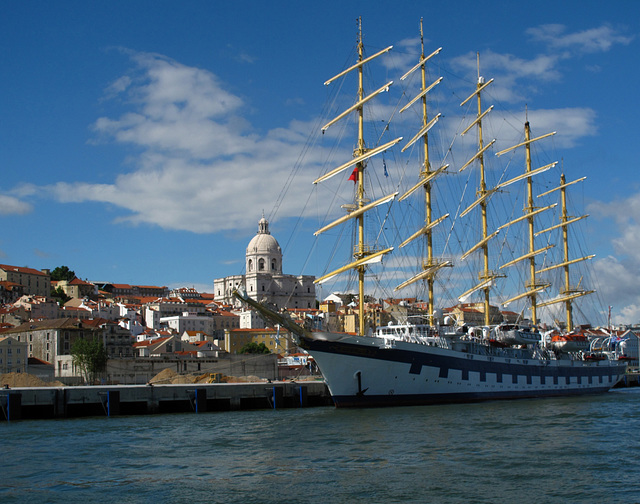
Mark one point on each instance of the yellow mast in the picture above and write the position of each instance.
(360, 150)
(430, 265)
(565, 250)
(362, 254)
(485, 276)
(567, 294)
(529, 212)
(427, 187)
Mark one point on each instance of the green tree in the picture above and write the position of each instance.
(60, 296)
(90, 356)
(63, 273)
(254, 348)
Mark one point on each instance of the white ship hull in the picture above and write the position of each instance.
(369, 371)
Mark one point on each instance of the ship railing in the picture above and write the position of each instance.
(442, 342)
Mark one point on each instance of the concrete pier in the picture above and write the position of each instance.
(68, 402)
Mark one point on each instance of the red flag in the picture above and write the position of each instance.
(354, 175)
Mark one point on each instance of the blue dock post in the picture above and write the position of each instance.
(200, 400)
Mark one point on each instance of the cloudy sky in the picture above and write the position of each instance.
(142, 141)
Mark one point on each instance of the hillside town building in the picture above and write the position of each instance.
(13, 355)
(51, 340)
(33, 281)
(77, 288)
(264, 280)
(277, 341)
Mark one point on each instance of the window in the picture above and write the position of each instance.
(250, 264)
(261, 265)
(273, 264)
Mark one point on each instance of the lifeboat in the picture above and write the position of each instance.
(570, 342)
(513, 334)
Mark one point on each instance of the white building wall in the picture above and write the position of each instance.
(188, 322)
(249, 319)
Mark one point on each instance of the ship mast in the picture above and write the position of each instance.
(565, 250)
(530, 211)
(360, 150)
(486, 276)
(430, 266)
(362, 254)
(568, 293)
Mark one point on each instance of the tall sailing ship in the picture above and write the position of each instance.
(439, 360)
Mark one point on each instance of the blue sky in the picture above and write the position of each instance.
(141, 141)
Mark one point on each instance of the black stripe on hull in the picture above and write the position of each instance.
(364, 401)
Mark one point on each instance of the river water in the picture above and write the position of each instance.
(565, 450)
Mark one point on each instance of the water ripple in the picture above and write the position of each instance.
(570, 450)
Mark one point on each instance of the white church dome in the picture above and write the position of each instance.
(263, 242)
(263, 252)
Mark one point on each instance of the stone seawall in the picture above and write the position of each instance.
(69, 402)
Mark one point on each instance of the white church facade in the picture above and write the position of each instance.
(264, 280)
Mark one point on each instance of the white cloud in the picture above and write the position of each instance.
(619, 287)
(517, 78)
(514, 77)
(600, 39)
(200, 166)
(618, 275)
(571, 124)
(10, 205)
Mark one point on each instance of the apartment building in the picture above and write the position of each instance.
(33, 281)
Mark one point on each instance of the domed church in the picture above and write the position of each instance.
(264, 280)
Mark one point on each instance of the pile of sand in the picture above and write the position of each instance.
(165, 376)
(168, 375)
(26, 380)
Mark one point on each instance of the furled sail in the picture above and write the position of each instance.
(363, 254)
(431, 265)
